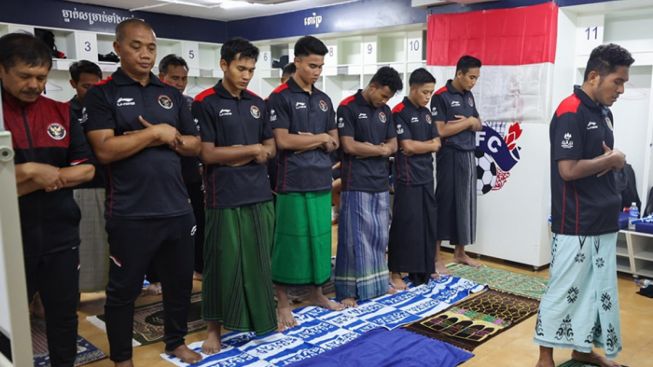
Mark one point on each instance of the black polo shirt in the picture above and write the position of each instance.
(413, 123)
(227, 121)
(190, 166)
(367, 124)
(149, 183)
(292, 108)
(43, 132)
(590, 205)
(446, 103)
(79, 115)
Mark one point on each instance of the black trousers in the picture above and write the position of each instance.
(56, 277)
(196, 195)
(133, 246)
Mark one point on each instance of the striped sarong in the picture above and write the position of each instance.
(580, 308)
(301, 254)
(237, 285)
(94, 246)
(456, 196)
(361, 270)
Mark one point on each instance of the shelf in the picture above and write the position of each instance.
(391, 48)
(349, 51)
(644, 255)
(108, 66)
(645, 273)
(209, 57)
(624, 269)
(105, 43)
(623, 253)
(640, 234)
(623, 265)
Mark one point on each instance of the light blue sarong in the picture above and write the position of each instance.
(580, 308)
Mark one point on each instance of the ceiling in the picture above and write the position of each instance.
(215, 9)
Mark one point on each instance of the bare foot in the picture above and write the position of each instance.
(212, 343)
(465, 259)
(391, 290)
(349, 302)
(197, 276)
(397, 283)
(127, 363)
(185, 354)
(593, 358)
(441, 268)
(154, 289)
(548, 363)
(285, 319)
(321, 300)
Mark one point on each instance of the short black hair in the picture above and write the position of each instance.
(120, 28)
(23, 47)
(84, 66)
(387, 77)
(420, 76)
(289, 69)
(309, 45)
(605, 59)
(238, 48)
(169, 60)
(467, 62)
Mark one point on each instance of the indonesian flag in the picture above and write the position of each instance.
(517, 48)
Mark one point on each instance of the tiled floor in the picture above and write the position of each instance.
(513, 348)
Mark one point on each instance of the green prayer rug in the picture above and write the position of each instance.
(502, 280)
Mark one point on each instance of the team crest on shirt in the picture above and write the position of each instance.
(427, 117)
(165, 101)
(341, 122)
(256, 113)
(434, 111)
(382, 117)
(470, 101)
(608, 122)
(324, 106)
(56, 131)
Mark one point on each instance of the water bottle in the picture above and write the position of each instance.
(643, 283)
(633, 215)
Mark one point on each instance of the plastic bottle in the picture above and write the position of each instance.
(633, 215)
(643, 283)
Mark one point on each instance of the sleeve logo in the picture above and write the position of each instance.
(567, 143)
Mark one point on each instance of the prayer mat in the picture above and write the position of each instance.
(382, 348)
(474, 321)
(86, 352)
(320, 330)
(502, 280)
(148, 321)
